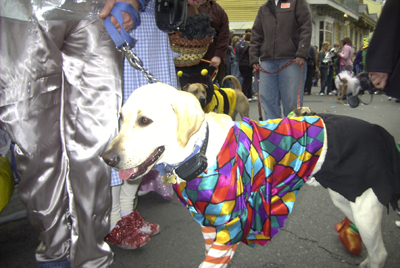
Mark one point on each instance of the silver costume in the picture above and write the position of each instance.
(60, 94)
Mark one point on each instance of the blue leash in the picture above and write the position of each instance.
(123, 41)
(123, 38)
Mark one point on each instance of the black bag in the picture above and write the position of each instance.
(170, 15)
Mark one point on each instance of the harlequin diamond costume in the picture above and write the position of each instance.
(247, 194)
(250, 190)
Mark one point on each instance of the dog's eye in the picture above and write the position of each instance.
(144, 121)
(195, 92)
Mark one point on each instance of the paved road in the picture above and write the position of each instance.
(308, 239)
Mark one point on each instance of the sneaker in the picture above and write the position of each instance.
(330, 93)
(254, 98)
(321, 94)
(334, 91)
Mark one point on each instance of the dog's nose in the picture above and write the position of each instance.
(203, 102)
(111, 158)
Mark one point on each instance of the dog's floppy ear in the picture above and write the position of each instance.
(189, 116)
(185, 88)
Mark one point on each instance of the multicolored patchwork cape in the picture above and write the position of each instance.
(251, 188)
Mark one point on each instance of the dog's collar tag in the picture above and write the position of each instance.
(195, 165)
(170, 178)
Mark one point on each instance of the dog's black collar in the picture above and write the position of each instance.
(194, 165)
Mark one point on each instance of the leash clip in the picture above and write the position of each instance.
(133, 60)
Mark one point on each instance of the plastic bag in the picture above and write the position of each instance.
(6, 182)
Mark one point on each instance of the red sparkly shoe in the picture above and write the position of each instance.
(349, 236)
(136, 219)
(126, 236)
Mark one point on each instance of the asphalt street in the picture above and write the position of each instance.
(308, 239)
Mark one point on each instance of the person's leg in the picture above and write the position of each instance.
(247, 76)
(291, 85)
(329, 81)
(358, 69)
(128, 194)
(92, 100)
(309, 78)
(115, 214)
(125, 228)
(270, 98)
(31, 116)
(324, 76)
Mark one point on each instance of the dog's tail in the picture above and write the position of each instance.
(234, 80)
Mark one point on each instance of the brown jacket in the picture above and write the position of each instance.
(281, 32)
(220, 22)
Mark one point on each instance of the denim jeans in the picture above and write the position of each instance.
(326, 79)
(282, 87)
(359, 68)
(235, 72)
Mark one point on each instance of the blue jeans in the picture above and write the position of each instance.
(326, 79)
(282, 87)
(235, 72)
(359, 68)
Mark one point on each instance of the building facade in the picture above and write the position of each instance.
(332, 19)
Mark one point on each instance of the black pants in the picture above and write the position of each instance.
(309, 78)
(247, 74)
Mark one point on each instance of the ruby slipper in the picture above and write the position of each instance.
(136, 220)
(126, 237)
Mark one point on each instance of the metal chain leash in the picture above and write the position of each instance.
(136, 63)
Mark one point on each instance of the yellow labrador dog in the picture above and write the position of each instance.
(239, 179)
(234, 97)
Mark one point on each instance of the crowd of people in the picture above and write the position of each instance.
(61, 109)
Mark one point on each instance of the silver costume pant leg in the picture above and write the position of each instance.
(45, 98)
(92, 98)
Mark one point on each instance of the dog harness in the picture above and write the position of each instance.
(249, 191)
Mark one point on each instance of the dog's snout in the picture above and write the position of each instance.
(203, 102)
(111, 158)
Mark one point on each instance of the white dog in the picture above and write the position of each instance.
(239, 180)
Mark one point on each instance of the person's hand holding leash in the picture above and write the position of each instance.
(127, 19)
(299, 61)
(215, 61)
(378, 79)
(256, 68)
